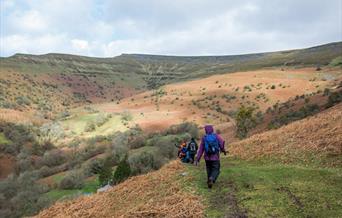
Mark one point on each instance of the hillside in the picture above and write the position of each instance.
(60, 81)
(156, 194)
(280, 178)
(314, 140)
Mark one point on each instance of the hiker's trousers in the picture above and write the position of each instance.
(213, 169)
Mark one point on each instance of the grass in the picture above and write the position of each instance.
(77, 125)
(90, 186)
(57, 194)
(149, 149)
(3, 139)
(271, 190)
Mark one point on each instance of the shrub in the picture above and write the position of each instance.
(102, 119)
(336, 61)
(166, 144)
(50, 132)
(103, 168)
(22, 100)
(326, 92)
(145, 162)
(21, 195)
(126, 116)
(54, 158)
(334, 98)
(244, 121)
(46, 171)
(136, 142)
(122, 172)
(119, 146)
(90, 126)
(186, 127)
(73, 180)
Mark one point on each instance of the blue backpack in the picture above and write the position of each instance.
(211, 144)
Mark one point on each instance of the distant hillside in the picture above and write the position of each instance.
(58, 81)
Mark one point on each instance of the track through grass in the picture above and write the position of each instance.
(256, 189)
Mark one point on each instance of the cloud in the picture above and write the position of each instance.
(193, 27)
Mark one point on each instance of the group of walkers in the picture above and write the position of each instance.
(211, 146)
(187, 152)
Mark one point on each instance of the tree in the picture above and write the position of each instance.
(104, 171)
(122, 172)
(245, 121)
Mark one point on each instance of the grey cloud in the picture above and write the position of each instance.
(178, 27)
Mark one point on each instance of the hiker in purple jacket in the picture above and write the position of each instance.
(211, 145)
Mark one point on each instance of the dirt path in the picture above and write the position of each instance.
(225, 197)
(222, 199)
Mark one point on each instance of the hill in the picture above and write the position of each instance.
(60, 81)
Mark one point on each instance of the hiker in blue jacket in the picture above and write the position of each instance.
(211, 145)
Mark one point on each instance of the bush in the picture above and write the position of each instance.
(166, 144)
(46, 171)
(103, 168)
(90, 126)
(54, 158)
(186, 127)
(22, 100)
(122, 172)
(102, 119)
(21, 195)
(137, 142)
(336, 61)
(73, 180)
(50, 132)
(126, 116)
(119, 146)
(17, 135)
(334, 98)
(144, 162)
(244, 121)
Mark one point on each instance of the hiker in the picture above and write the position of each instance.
(211, 145)
(192, 150)
(182, 152)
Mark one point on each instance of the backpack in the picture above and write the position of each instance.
(211, 144)
(192, 146)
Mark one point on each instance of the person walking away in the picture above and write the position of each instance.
(211, 145)
(192, 150)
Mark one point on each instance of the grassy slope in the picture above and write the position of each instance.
(162, 195)
(271, 190)
(294, 171)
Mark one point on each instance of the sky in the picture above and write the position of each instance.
(171, 27)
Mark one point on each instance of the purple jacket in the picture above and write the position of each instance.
(208, 130)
